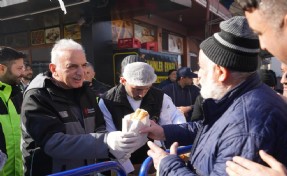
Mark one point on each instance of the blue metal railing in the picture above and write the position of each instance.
(148, 161)
(113, 165)
(98, 167)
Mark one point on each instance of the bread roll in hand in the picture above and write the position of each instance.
(135, 121)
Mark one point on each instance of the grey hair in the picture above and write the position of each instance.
(63, 45)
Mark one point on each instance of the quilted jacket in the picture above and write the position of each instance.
(248, 118)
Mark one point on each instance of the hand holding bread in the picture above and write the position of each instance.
(135, 121)
(131, 124)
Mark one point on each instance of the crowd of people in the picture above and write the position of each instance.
(64, 118)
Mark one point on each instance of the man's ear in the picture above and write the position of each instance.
(123, 80)
(222, 73)
(3, 69)
(52, 68)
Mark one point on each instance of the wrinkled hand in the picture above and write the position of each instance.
(244, 167)
(123, 144)
(158, 154)
(154, 131)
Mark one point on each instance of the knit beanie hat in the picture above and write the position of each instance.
(235, 47)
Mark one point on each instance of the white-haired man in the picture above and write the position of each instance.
(236, 120)
(63, 127)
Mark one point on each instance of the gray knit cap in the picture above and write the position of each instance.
(235, 47)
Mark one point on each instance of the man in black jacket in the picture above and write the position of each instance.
(63, 127)
(171, 78)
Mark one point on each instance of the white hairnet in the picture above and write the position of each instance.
(130, 59)
(139, 74)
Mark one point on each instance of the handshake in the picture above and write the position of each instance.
(123, 143)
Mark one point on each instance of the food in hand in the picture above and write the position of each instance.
(139, 114)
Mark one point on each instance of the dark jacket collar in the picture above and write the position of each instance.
(45, 80)
(119, 95)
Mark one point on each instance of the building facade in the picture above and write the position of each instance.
(106, 28)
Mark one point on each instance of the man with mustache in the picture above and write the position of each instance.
(11, 71)
(27, 77)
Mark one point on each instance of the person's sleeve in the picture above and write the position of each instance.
(169, 113)
(42, 124)
(107, 116)
(173, 165)
(245, 145)
(184, 133)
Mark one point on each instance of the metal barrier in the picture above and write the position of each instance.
(148, 161)
(98, 167)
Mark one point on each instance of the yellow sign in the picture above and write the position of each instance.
(161, 66)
